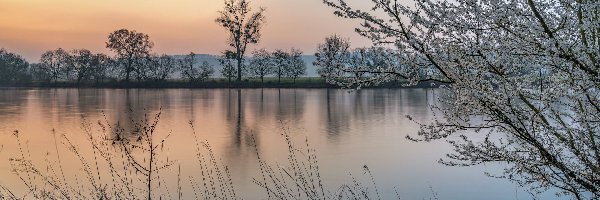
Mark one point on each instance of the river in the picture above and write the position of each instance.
(347, 130)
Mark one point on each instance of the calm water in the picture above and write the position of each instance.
(347, 129)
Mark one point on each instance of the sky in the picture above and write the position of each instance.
(30, 27)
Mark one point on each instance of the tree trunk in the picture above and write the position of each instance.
(128, 69)
(239, 57)
(239, 69)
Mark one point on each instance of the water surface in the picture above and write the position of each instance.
(348, 129)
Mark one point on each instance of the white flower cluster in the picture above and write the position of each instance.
(522, 81)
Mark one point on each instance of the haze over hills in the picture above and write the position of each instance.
(212, 59)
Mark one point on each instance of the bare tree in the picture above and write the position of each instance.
(522, 82)
(142, 151)
(243, 27)
(192, 73)
(261, 64)
(131, 48)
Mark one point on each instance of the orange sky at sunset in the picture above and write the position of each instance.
(30, 27)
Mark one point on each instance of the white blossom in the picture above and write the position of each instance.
(522, 82)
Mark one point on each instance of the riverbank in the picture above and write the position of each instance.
(271, 82)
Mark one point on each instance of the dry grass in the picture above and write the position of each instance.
(300, 177)
(128, 164)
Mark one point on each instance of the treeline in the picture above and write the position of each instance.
(362, 67)
(133, 61)
(134, 64)
(279, 63)
(81, 66)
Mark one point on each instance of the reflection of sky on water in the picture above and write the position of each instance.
(348, 130)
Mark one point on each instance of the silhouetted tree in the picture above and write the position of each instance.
(55, 62)
(13, 68)
(157, 68)
(187, 67)
(192, 73)
(131, 48)
(226, 60)
(39, 72)
(243, 27)
(100, 67)
(296, 66)
(81, 62)
(261, 64)
(332, 55)
(205, 71)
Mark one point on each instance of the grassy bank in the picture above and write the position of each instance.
(269, 82)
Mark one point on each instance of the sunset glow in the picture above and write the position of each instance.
(30, 27)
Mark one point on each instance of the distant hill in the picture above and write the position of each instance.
(212, 59)
(311, 70)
